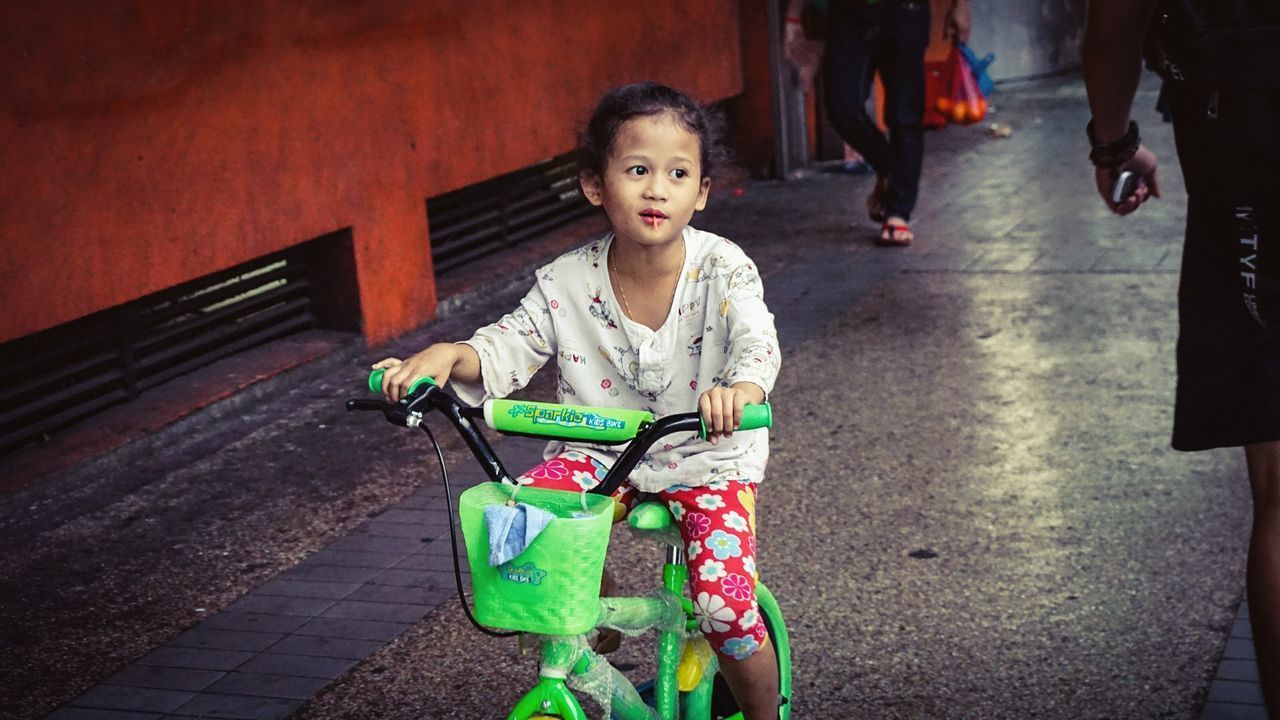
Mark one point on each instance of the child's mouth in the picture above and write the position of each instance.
(653, 217)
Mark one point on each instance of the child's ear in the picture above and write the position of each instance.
(703, 190)
(592, 188)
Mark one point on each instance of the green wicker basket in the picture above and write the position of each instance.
(553, 587)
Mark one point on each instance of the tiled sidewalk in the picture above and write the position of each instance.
(276, 647)
(1235, 693)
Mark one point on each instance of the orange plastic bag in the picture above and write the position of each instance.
(937, 86)
(964, 104)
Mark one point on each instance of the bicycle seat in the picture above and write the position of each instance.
(652, 518)
(651, 515)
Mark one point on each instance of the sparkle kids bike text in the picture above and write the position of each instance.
(565, 417)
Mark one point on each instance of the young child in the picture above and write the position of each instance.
(654, 316)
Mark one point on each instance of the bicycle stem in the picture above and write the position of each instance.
(627, 461)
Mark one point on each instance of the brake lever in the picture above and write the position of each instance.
(407, 412)
(367, 404)
(395, 413)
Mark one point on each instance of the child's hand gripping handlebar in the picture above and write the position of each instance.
(407, 412)
(375, 382)
(754, 417)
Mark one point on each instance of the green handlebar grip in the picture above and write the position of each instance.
(375, 382)
(754, 417)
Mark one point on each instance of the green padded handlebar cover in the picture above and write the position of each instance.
(375, 382)
(753, 418)
(606, 426)
(756, 416)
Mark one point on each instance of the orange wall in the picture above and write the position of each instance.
(146, 143)
(750, 115)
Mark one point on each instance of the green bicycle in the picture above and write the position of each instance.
(551, 589)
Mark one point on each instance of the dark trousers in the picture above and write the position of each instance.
(890, 37)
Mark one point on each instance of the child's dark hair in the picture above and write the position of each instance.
(643, 100)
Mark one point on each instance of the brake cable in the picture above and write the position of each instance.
(453, 539)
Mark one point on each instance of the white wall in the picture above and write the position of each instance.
(1029, 37)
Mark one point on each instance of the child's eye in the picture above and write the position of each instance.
(637, 170)
(679, 173)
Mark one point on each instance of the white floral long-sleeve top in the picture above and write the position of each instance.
(718, 332)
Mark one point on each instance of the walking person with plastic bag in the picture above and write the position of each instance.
(889, 37)
(1218, 59)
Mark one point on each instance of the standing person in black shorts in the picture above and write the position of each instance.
(1219, 60)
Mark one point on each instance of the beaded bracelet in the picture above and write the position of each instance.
(1114, 154)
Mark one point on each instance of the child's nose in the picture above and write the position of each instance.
(655, 189)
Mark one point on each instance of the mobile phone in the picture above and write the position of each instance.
(1125, 186)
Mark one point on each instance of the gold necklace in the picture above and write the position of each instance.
(684, 250)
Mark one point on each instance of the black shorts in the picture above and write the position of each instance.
(1229, 293)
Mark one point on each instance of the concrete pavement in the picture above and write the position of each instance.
(997, 395)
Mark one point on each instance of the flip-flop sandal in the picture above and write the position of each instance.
(895, 234)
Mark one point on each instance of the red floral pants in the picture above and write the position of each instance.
(717, 522)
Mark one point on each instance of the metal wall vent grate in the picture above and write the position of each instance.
(57, 377)
(477, 221)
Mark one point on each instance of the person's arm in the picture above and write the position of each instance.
(805, 55)
(795, 8)
(496, 361)
(1112, 69)
(754, 356)
(1113, 62)
(793, 28)
(440, 362)
(959, 21)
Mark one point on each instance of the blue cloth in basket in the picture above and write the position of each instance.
(512, 528)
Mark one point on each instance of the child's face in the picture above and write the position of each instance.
(652, 181)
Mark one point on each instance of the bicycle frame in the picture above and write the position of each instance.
(563, 658)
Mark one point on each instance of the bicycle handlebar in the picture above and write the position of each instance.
(375, 382)
(606, 426)
(600, 425)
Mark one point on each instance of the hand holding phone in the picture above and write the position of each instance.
(1125, 186)
(1125, 191)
